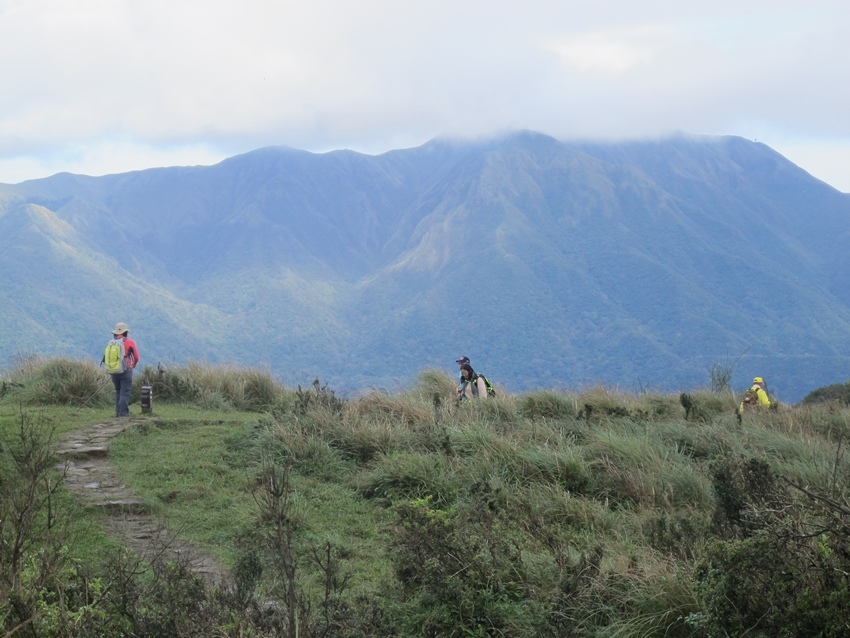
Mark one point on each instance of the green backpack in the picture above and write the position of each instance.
(491, 391)
(114, 356)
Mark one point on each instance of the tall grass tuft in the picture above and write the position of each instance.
(707, 406)
(547, 404)
(436, 386)
(660, 597)
(634, 470)
(412, 476)
(600, 402)
(214, 386)
(309, 454)
(525, 466)
(406, 409)
(60, 381)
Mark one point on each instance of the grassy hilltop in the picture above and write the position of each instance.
(594, 513)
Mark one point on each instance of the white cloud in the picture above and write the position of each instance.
(104, 158)
(99, 83)
(615, 51)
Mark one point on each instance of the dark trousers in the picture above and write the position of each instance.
(123, 385)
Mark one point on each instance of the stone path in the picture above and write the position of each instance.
(83, 456)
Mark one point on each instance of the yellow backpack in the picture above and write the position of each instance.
(114, 356)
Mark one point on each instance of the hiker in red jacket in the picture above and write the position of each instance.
(123, 381)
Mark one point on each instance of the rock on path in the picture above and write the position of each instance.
(83, 457)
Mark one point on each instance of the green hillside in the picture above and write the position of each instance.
(591, 513)
(549, 263)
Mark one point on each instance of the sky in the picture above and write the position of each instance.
(109, 86)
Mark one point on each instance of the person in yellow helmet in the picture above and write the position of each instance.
(756, 397)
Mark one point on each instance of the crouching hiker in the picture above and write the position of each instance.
(754, 399)
(472, 384)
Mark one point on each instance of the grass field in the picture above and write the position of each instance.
(595, 513)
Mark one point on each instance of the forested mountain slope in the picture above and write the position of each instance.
(549, 263)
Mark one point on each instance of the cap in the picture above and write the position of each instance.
(462, 360)
(758, 380)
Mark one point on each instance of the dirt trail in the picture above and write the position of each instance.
(83, 455)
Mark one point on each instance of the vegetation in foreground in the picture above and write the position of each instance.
(594, 513)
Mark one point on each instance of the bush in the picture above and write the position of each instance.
(33, 531)
(789, 578)
(460, 574)
(838, 392)
(309, 453)
(741, 488)
(632, 471)
(783, 568)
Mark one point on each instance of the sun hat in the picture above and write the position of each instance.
(120, 328)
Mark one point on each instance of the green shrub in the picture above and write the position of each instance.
(479, 441)
(742, 487)
(598, 403)
(499, 412)
(562, 521)
(363, 429)
(662, 407)
(460, 574)
(827, 420)
(680, 533)
(696, 441)
(837, 393)
(788, 576)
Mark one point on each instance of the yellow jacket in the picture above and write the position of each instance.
(764, 401)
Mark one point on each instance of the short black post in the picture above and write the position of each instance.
(147, 399)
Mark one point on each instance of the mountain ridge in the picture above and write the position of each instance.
(547, 262)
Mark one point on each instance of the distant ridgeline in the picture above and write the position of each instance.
(548, 263)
